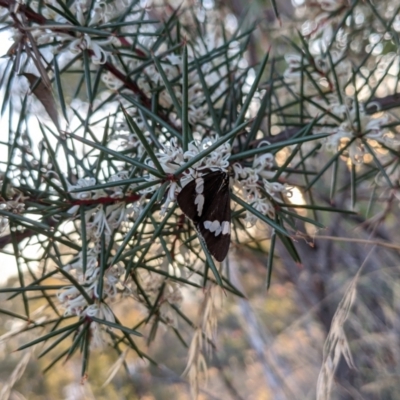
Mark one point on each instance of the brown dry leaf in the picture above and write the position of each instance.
(45, 96)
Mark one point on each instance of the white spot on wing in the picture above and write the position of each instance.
(199, 185)
(218, 230)
(226, 228)
(213, 226)
(199, 200)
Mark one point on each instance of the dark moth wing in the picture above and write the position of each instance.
(213, 221)
(187, 196)
(218, 210)
(186, 199)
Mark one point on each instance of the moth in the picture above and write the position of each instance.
(206, 201)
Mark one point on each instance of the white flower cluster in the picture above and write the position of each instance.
(86, 14)
(336, 112)
(321, 17)
(215, 72)
(98, 221)
(84, 42)
(326, 24)
(355, 130)
(150, 79)
(101, 219)
(126, 140)
(72, 299)
(152, 283)
(15, 205)
(172, 157)
(75, 303)
(333, 5)
(319, 76)
(247, 182)
(251, 183)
